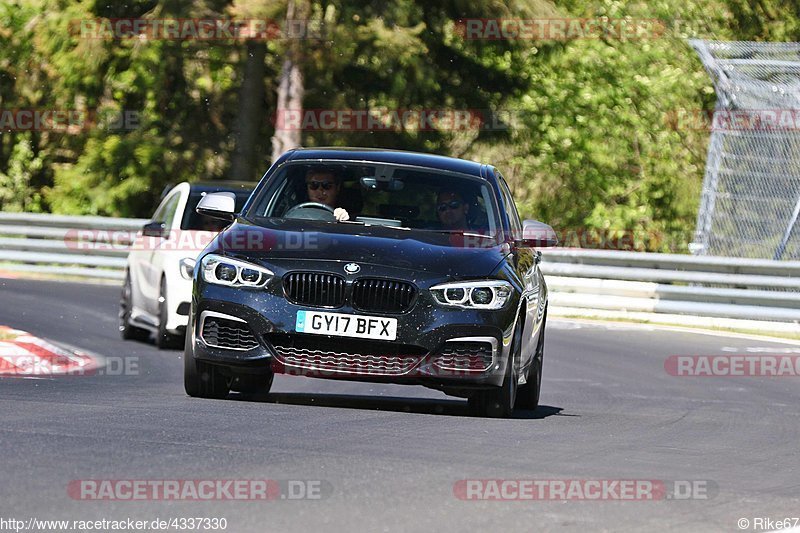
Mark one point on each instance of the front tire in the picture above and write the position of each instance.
(256, 385)
(499, 402)
(164, 339)
(127, 330)
(202, 380)
(528, 395)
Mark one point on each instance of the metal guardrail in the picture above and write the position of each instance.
(750, 289)
(755, 289)
(50, 244)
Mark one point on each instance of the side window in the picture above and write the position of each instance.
(166, 211)
(511, 209)
(158, 216)
(171, 207)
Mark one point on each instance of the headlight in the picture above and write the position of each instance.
(473, 294)
(233, 272)
(187, 267)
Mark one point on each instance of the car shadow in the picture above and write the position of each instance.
(387, 403)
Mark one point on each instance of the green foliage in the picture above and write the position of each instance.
(599, 152)
(594, 152)
(17, 190)
(587, 143)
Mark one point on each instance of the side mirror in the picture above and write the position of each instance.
(154, 229)
(537, 234)
(221, 205)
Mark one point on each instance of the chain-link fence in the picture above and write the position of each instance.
(751, 190)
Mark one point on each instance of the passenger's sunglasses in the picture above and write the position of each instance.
(326, 185)
(444, 206)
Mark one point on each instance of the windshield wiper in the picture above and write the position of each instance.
(462, 232)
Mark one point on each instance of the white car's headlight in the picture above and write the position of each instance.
(473, 294)
(187, 267)
(222, 270)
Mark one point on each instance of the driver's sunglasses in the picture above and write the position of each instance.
(444, 206)
(326, 185)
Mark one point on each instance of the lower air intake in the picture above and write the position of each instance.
(465, 356)
(353, 357)
(229, 334)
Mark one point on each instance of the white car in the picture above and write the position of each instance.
(158, 277)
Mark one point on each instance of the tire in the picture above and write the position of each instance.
(201, 380)
(499, 402)
(528, 394)
(252, 384)
(164, 339)
(127, 330)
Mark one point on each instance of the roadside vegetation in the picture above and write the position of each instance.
(583, 126)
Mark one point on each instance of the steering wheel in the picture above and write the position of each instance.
(310, 211)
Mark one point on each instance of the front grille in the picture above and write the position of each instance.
(465, 356)
(225, 333)
(383, 295)
(359, 357)
(315, 289)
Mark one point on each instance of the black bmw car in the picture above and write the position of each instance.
(372, 265)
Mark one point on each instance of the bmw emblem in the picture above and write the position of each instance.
(352, 268)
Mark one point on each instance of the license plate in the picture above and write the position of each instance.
(366, 327)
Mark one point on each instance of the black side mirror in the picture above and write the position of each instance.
(154, 229)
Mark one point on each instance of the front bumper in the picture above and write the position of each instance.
(427, 350)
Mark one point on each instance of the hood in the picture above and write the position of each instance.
(450, 254)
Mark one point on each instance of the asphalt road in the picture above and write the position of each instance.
(387, 457)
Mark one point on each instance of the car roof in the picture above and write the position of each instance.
(381, 155)
(218, 186)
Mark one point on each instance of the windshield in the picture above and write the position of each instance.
(379, 194)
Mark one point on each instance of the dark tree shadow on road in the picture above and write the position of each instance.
(387, 403)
